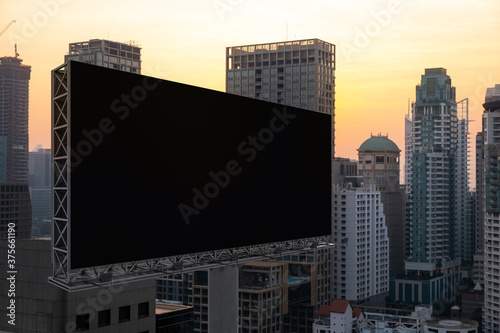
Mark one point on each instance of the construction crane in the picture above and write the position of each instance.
(7, 27)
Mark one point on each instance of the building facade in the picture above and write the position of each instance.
(106, 53)
(491, 136)
(298, 73)
(15, 211)
(40, 170)
(14, 103)
(379, 165)
(361, 261)
(45, 308)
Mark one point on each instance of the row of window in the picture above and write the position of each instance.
(104, 316)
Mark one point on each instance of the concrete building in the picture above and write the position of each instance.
(14, 104)
(298, 73)
(336, 317)
(431, 223)
(491, 137)
(263, 296)
(479, 213)
(361, 262)
(342, 168)
(106, 53)
(464, 220)
(42, 307)
(15, 211)
(40, 172)
(379, 165)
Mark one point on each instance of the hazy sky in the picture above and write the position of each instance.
(382, 48)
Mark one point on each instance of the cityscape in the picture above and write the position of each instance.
(411, 92)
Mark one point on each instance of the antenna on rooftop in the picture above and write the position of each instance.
(15, 50)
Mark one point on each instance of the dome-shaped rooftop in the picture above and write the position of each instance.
(378, 142)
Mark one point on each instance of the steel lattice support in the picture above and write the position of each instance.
(101, 276)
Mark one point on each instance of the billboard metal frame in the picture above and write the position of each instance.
(101, 276)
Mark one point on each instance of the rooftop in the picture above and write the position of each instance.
(377, 142)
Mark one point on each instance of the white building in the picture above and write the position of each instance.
(491, 134)
(338, 317)
(106, 53)
(361, 263)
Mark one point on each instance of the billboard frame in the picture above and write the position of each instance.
(101, 276)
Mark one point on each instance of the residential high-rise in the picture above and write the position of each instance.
(40, 186)
(464, 222)
(298, 73)
(14, 98)
(15, 199)
(479, 213)
(379, 165)
(106, 53)
(361, 260)
(491, 136)
(431, 221)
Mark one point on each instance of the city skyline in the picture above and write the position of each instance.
(382, 48)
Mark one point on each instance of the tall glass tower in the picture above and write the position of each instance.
(431, 214)
(432, 265)
(14, 97)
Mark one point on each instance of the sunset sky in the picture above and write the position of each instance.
(383, 48)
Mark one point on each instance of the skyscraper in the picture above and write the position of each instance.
(40, 183)
(431, 222)
(14, 101)
(106, 53)
(14, 98)
(379, 165)
(361, 263)
(299, 73)
(491, 136)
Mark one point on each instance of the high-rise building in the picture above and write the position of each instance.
(14, 98)
(298, 73)
(479, 213)
(40, 186)
(491, 137)
(464, 222)
(431, 220)
(106, 53)
(361, 262)
(379, 165)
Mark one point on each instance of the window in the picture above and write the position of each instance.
(104, 318)
(82, 322)
(124, 313)
(143, 310)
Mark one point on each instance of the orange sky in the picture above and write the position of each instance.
(382, 48)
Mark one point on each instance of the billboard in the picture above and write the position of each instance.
(158, 168)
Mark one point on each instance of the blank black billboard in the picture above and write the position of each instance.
(160, 168)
